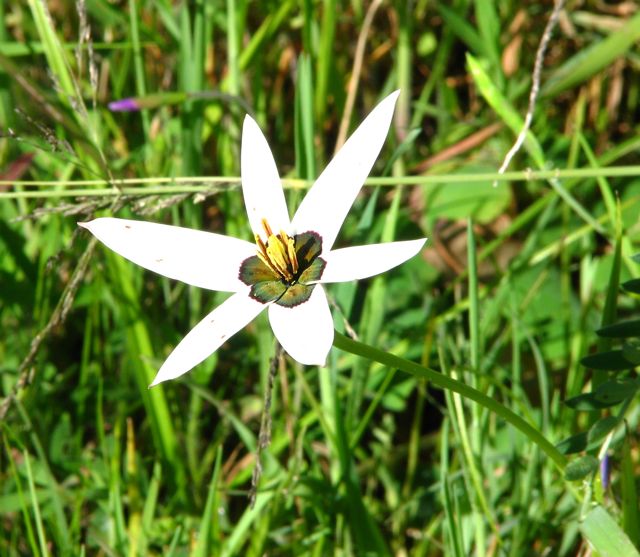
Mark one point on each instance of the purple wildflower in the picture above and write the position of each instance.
(125, 105)
(604, 471)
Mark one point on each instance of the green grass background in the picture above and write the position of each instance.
(364, 458)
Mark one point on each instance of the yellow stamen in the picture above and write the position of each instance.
(290, 246)
(278, 252)
(267, 228)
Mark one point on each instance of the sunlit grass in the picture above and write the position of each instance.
(367, 457)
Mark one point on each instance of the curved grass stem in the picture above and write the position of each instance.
(444, 382)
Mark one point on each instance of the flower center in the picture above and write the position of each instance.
(278, 253)
(285, 269)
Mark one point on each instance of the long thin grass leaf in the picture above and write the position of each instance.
(593, 59)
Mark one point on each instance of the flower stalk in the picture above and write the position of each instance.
(445, 382)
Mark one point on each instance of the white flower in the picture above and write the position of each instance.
(283, 271)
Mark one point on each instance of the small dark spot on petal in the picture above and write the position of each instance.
(127, 226)
(159, 260)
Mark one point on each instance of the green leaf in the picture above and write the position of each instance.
(629, 494)
(489, 26)
(615, 391)
(612, 360)
(303, 121)
(605, 535)
(588, 440)
(207, 522)
(601, 428)
(580, 468)
(574, 444)
(460, 199)
(55, 54)
(462, 28)
(593, 59)
(632, 285)
(631, 351)
(623, 329)
(587, 402)
(503, 108)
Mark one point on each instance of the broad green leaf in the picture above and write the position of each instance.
(612, 360)
(580, 468)
(615, 391)
(632, 286)
(587, 402)
(631, 350)
(623, 329)
(605, 535)
(601, 428)
(574, 444)
(587, 440)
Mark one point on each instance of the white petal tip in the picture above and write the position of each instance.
(249, 122)
(91, 225)
(417, 246)
(312, 362)
(158, 379)
(390, 99)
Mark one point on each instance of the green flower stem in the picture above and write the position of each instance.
(444, 382)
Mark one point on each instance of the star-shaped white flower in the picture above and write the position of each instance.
(284, 270)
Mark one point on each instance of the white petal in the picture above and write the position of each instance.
(327, 203)
(360, 262)
(261, 186)
(305, 331)
(196, 257)
(208, 335)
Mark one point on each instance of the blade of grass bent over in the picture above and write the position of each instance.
(443, 382)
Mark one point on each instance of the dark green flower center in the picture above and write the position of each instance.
(285, 269)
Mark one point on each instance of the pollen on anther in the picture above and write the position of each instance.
(267, 228)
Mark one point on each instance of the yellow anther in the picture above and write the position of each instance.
(267, 228)
(278, 257)
(278, 252)
(290, 246)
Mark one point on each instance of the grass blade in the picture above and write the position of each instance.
(593, 59)
(605, 535)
